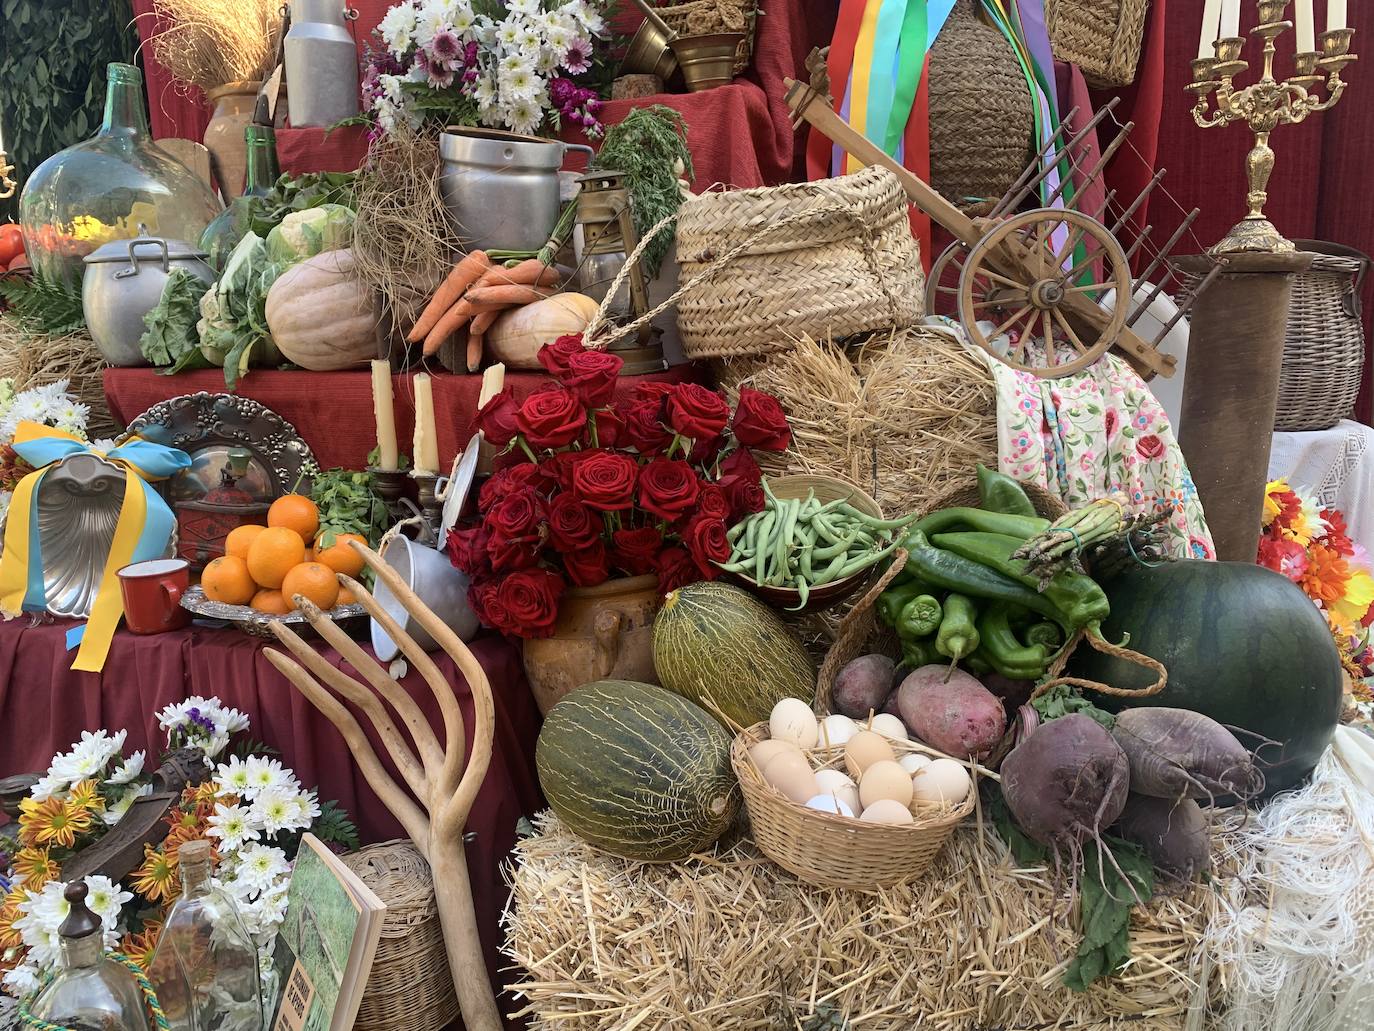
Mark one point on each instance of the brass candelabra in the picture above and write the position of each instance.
(1264, 105)
(7, 184)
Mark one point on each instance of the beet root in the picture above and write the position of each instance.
(1178, 753)
(1066, 782)
(862, 686)
(1172, 833)
(959, 716)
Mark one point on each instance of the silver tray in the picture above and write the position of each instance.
(206, 426)
(351, 618)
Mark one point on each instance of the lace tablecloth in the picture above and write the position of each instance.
(1337, 465)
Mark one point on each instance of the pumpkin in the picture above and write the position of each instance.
(637, 771)
(719, 646)
(321, 314)
(1242, 644)
(515, 338)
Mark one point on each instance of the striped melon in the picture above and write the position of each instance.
(637, 770)
(720, 647)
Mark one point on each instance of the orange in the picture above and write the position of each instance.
(271, 602)
(273, 553)
(240, 537)
(313, 580)
(296, 512)
(339, 556)
(346, 597)
(226, 580)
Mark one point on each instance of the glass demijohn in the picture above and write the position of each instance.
(229, 227)
(205, 969)
(91, 991)
(104, 188)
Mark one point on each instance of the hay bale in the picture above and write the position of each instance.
(904, 414)
(731, 942)
(35, 359)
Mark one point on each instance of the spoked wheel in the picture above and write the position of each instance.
(942, 283)
(1027, 275)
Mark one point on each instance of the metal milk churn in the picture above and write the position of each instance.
(321, 64)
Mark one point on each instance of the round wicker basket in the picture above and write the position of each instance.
(410, 987)
(840, 851)
(1102, 37)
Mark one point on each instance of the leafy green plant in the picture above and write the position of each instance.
(348, 503)
(54, 307)
(170, 337)
(333, 826)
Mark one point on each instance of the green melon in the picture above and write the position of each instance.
(637, 770)
(718, 645)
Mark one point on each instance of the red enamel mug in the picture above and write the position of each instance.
(152, 593)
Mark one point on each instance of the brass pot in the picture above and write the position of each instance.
(707, 61)
(649, 52)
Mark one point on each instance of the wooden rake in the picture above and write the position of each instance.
(440, 777)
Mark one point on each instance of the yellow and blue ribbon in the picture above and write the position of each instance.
(142, 531)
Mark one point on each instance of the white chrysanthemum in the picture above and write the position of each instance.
(461, 18)
(106, 899)
(306, 810)
(265, 774)
(229, 720)
(49, 785)
(93, 752)
(22, 980)
(521, 85)
(432, 20)
(273, 810)
(104, 444)
(128, 769)
(71, 416)
(508, 37)
(524, 116)
(114, 811)
(233, 825)
(232, 777)
(258, 866)
(397, 28)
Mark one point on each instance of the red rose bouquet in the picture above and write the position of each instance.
(591, 487)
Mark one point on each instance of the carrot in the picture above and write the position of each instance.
(518, 294)
(455, 318)
(528, 273)
(480, 324)
(464, 274)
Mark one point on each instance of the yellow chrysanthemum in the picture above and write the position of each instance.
(1355, 601)
(9, 913)
(140, 947)
(53, 822)
(36, 867)
(86, 795)
(157, 877)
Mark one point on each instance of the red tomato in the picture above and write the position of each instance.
(11, 242)
(20, 261)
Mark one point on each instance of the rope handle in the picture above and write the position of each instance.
(144, 985)
(803, 215)
(1095, 639)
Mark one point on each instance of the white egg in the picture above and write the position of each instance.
(911, 762)
(885, 779)
(943, 780)
(889, 726)
(887, 811)
(792, 720)
(836, 731)
(837, 783)
(765, 751)
(830, 804)
(791, 774)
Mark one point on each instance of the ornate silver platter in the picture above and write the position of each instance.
(259, 624)
(206, 426)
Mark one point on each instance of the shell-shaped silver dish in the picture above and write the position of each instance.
(352, 618)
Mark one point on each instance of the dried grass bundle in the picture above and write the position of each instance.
(731, 942)
(208, 43)
(904, 415)
(36, 359)
(402, 240)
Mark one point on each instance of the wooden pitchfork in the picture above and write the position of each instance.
(440, 777)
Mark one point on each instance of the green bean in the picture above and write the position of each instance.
(803, 592)
(765, 529)
(832, 550)
(873, 521)
(805, 563)
(788, 518)
(735, 532)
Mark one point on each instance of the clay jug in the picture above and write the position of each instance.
(231, 110)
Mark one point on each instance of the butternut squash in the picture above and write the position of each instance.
(321, 314)
(516, 337)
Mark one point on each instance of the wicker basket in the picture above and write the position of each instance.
(1102, 37)
(410, 987)
(840, 851)
(703, 17)
(1323, 350)
(829, 258)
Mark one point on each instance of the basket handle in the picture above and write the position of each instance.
(1094, 638)
(853, 632)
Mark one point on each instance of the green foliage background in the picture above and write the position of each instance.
(53, 55)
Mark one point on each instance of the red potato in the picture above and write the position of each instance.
(862, 686)
(1172, 833)
(959, 716)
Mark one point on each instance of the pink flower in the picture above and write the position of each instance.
(446, 46)
(579, 56)
(1283, 556)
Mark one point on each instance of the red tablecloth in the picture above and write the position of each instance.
(332, 411)
(44, 706)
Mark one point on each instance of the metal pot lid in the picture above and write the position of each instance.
(145, 249)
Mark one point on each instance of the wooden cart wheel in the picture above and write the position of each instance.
(942, 282)
(1019, 277)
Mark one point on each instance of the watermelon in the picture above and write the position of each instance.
(637, 771)
(720, 647)
(1242, 644)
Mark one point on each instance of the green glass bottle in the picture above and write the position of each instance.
(223, 234)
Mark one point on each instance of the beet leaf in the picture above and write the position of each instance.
(1106, 910)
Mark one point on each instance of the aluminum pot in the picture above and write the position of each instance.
(501, 188)
(439, 584)
(123, 282)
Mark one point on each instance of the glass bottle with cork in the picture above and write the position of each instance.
(231, 225)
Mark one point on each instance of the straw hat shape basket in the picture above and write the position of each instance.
(1102, 37)
(410, 987)
(828, 258)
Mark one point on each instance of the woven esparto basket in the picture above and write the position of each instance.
(410, 987)
(840, 851)
(828, 258)
(704, 17)
(1323, 349)
(1102, 37)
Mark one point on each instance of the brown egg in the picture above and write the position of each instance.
(863, 750)
(764, 752)
(887, 811)
(792, 775)
(885, 779)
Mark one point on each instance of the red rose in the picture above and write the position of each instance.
(524, 477)
(467, 549)
(605, 480)
(760, 421)
(588, 566)
(572, 525)
(518, 514)
(668, 487)
(644, 429)
(739, 479)
(530, 599)
(1149, 447)
(653, 390)
(694, 411)
(497, 418)
(510, 553)
(592, 375)
(551, 418)
(705, 539)
(676, 569)
(557, 468)
(712, 502)
(483, 598)
(704, 451)
(554, 357)
(635, 551)
(610, 428)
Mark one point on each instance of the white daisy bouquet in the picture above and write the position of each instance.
(512, 64)
(252, 810)
(49, 405)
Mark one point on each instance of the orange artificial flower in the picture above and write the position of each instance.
(157, 877)
(140, 947)
(86, 795)
(1326, 575)
(52, 822)
(36, 867)
(9, 913)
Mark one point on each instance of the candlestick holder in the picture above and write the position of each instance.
(390, 485)
(1264, 105)
(431, 505)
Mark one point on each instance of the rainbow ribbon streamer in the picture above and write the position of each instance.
(142, 531)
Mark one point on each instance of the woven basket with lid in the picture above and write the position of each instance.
(1102, 37)
(828, 258)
